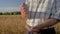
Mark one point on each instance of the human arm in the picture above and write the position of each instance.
(46, 23)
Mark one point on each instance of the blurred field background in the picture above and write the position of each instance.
(14, 24)
(11, 24)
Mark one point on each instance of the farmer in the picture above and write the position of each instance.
(41, 15)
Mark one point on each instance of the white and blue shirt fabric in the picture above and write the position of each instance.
(41, 10)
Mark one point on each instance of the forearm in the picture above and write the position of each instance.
(47, 23)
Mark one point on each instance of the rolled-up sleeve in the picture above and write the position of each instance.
(56, 10)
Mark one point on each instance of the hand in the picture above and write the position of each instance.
(31, 29)
(23, 11)
(28, 28)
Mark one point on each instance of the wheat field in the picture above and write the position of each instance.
(14, 24)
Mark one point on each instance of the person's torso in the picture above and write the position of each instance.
(38, 11)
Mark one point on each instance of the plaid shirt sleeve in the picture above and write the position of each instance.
(56, 10)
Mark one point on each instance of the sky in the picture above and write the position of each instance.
(10, 5)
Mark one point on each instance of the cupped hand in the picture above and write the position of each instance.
(31, 29)
(23, 10)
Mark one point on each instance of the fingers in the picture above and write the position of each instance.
(23, 11)
(32, 30)
(22, 6)
(28, 28)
